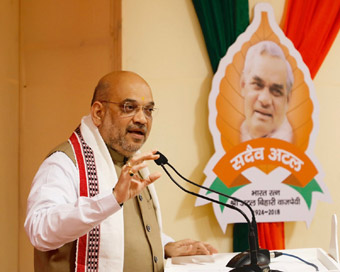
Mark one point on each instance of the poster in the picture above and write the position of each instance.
(263, 116)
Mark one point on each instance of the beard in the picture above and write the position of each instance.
(122, 144)
(122, 136)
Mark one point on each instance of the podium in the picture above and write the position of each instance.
(217, 262)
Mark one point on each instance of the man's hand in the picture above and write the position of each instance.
(129, 183)
(188, 247)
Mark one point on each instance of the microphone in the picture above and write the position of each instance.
(253, 260)
(161, 160)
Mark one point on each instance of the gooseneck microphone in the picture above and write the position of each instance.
(161, 162)
(253, 260)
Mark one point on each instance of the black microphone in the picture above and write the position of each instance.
(161, 160)
(253, 260)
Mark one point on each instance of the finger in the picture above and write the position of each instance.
(153, 177)
(185, 250)
(202, 250)
(128, 171)
(138, 158)
(211, 249)
(138, 167)
(137, 185)
(198, 248)
(185, 242)
(141, 183)
(132, 171)
(145, 182)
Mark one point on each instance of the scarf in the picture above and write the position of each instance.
(102, 248)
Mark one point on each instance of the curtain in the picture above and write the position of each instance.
(319, 22)
(221, 22)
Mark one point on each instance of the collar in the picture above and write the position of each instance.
(117, 158)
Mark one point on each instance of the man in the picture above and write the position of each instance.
(92, 205)
(266, 84)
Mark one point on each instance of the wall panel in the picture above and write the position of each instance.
(66, 46)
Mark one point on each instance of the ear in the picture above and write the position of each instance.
(242, 84)
(97, 113)
(289, 96)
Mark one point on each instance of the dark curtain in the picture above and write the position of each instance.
(221, 22)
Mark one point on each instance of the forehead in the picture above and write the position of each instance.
(131, 88)
(269, 68)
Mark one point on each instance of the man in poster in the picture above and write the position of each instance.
(266, 84)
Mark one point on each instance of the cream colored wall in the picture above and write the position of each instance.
(162, 41)
(65, 49)
(9, 120)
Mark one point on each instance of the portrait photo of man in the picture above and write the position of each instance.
(266, 84)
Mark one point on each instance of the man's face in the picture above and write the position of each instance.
(265, 95)
(126, 134)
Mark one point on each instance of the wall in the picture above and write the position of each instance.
(171, 55)
(9, 120)
(65, 48)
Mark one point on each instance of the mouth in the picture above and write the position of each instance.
(136, 132)
(263, 114)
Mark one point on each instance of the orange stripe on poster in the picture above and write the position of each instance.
(265, 151)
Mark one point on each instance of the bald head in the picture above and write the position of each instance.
(121, 109)
(113, 82)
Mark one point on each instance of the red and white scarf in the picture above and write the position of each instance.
(101, 249)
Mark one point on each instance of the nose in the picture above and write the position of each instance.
(265, 97)
(140, 117)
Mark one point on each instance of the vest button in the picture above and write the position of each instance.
(148, 228)
(140, 197)
(155, 259)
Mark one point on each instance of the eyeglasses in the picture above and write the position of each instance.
(130, 108)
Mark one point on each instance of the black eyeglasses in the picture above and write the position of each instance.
(130, 108)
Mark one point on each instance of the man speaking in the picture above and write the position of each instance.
(92, 204)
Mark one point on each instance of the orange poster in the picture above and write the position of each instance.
(263, 116)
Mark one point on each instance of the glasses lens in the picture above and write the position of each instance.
(130, 108)
(148, 111)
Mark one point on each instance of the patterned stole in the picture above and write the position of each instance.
(87, 252)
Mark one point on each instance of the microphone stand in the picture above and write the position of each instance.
(243, 257)
(252, 264)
